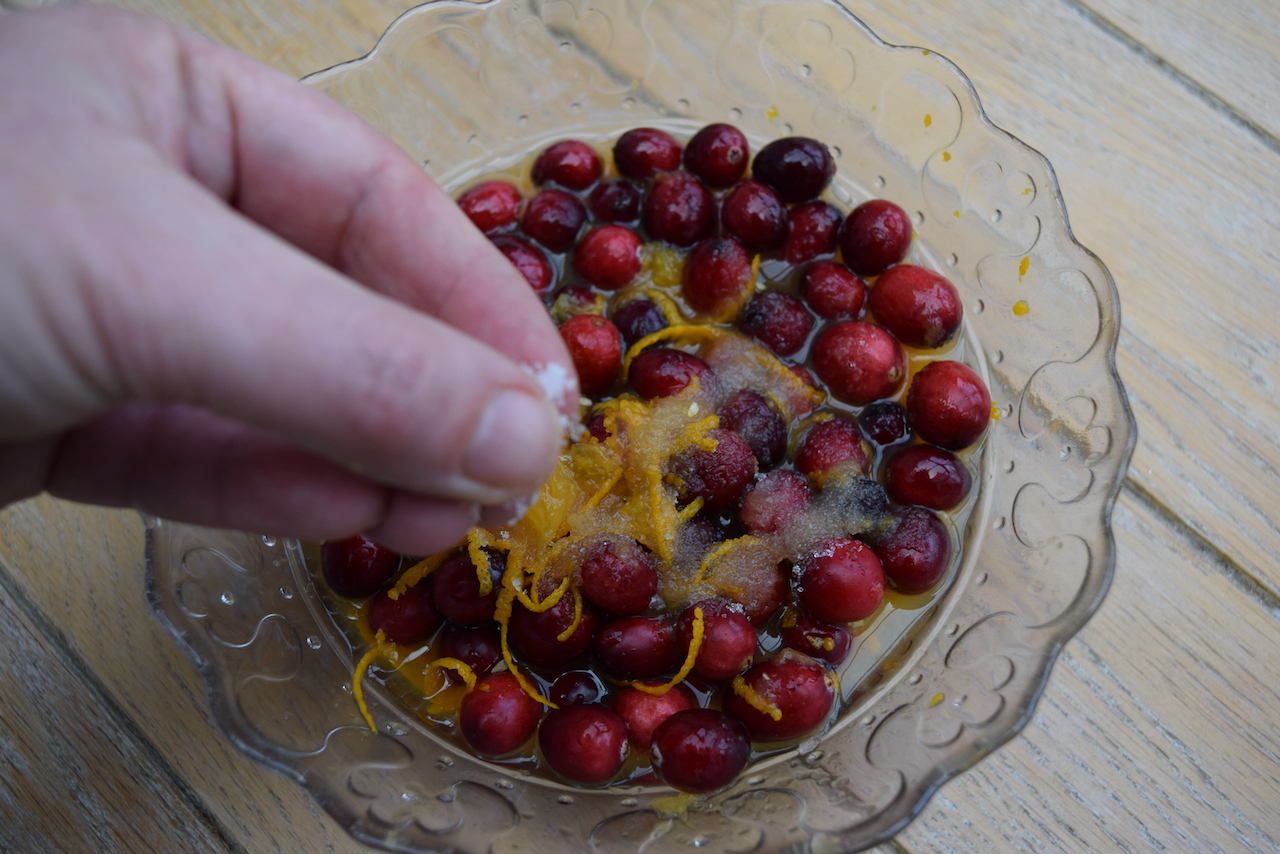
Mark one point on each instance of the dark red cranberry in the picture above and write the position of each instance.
(876, 234)
(596, 349)
(717, 477)
(586, 744)
(608, 257)
(596, 427)
(478, 647)
(824, 641)
(662, 372)
(794, 684)
(777, 320)
(615, 200)
(574, 300)
(797, 167)
(644, 711)
(754, 214)
(859, 362)
(917, 305)
(644, 152)
(576, 688)
(491, 205)
(928, 476)
(914, 551)
(775, 502)
(829, 444)
(553, 218)
(410, 618)
(700, 750)
(833, 291)
(728, 639)
(840, 581)
(749, 415)
(717, 278)
(570, 163)
(764, 589)
(455, 588)
(637, 648)
(717, 154)
(949, 405)
(356, 567)
(678, 210)
(534, 635)
(884, 423)
(618, 576)
(814, 230)
(638, 319)
(498, 717)
(526, 258)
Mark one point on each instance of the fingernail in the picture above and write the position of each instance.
(515, 443)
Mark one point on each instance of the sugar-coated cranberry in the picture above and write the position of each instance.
(717, 477)
(637, 647)
(928, 476)
(574, 300)
(824, 641)
(914, 551)
(569, 163)
(717, 154)
(840, 581)
(797, 686)
(775, 502)
(859, 362)
(615, 200)
(797, 167)
(764, 589)
(638, 319)
(618, 576)
(678, 210)
(596, 349)
(644, 711)
(608, 257)
(586, 743)
(526, 258)
(802, 374)
(728, 639)
(717, 278)
(662, 372)
(408, 619)
(777, 320)
(455, 588)
(644, 152)
(884, 423)
(917, 305)
(829, 444)
(535, 635)
(833, 291)
(814, 230)
(491, 205)
(478, 647)
(876, 234)
(700, 750)
(553, 218)
(749, 415)
(575, 688)
(948, 405)
(356, 567)
(498, 717)
(754, 214)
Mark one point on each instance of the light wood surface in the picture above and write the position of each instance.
(1160, 726)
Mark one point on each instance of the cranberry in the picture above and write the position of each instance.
(777, 320)
(615, 200)
(824, 641)
(596, 349)
(754, 214)
(928, 476)
(662, 372)
(765, 588)
(700, 750)
(553, 218)
(717, 477)
(797, 167)
(917, 305)
(796, 685)
(717, 277)
(728, 639)
(644, 711)
(637, 647)
(356, 567)
(678, 210)
(914, 551)
(833, 291)
(644, 152)
(570, 163)
(455, 588)
(949, 405)
(859, 362)
(576, 688)
(608, 257)
(638, 319)
(526, 258)
(717, 154)
(875, 235)
(498, 717)
(759, 424)
(408, 619)
(802, 373)
(596, 427)
(586, 744)
(574, 300)
(618, 575)
(478, 647)
(775, 502)
(491, 205)
(535, 634)
(884, 423)
(841, 581)
(829, 444)
(815, 227)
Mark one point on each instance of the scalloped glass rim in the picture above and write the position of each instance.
(1042, 323)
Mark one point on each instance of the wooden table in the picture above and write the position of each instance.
(1160, 726)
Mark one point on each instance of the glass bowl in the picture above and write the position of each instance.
(475, 87)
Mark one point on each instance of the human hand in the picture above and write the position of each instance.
(226, 300)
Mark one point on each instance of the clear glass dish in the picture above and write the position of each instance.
(474, 87)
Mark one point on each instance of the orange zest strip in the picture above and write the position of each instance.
(686, 334)
(477, 540)
(362, 666)
(460, 667)
(416, 573)
(502, 613)
(695, 644)
(754, 700)
(577, 616)
(691, 509)
(667, 305)
(547, 604)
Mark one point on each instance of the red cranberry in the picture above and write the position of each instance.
(859, 362)
(796, 685)
(478, 647)
(644, 152)
(717, 154)
(644, 711)
(596, 427)
(775, 502)
(498, 717)
(797, 167)
(765, 588)
(728, 639)
(755, 215)
(356, 567)
(815, 227)
(638, 319)
(596, 350)
(576, 688)
(615, 200)
(750, 416)
(535, 635)
(841, 581)
(928, 476)
(526, 258)
(618, 576)
(586, 744)
(717, 477)
(884, 423)
(570, 163)
(824, 641)
(717, 277)
(700, 750)
(553, 218)
(802, 373)
(917, 305)
(914, 551)
(455, 588)
(491, 205)
(662, 372)
(777, 320)
(410, 618)
(608, 257)
(948, 405)
(637, 648)
(678, 210)
(829, 444)
(833, 291)
(876, 234)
